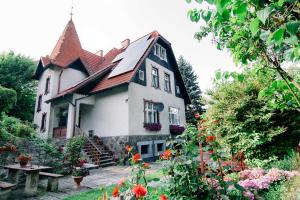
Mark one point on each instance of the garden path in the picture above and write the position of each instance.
(97, 178)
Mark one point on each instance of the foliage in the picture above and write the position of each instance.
(13, 127)
(249, 122)
(73, 152)
(264, 32)
(289, 162)
(190, 80)
(16, 73)
(8, 99)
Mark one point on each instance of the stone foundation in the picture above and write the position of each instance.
(117, 143)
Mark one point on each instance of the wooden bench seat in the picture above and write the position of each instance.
(5, 189)
(52, 184)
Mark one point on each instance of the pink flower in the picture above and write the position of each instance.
(275, 174)
(248, 184)
(291, 174)
(249, 194)
(226, 179)
(252, 174)
(121, 182)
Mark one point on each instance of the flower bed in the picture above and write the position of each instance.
(152, 126)
(176, 129)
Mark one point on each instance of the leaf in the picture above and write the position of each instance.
(292, 27)
(221, 5)
(264, 35)
(241, 77)
(199, 1)
(254, 26)
(218, 75)
(280, 3)
(241, 11)
(293, 40)
(264, 14)
(277, 36)
(210, 1)
(206, 15)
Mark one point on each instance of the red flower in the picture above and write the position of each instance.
(197, 115)
(128, 148)
(115, 192)
(167, 154)
(210, 138)
(163, 197)
(136, 158)
(146, 165)
(139, 191)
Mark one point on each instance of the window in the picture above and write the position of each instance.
(43, 123)
(144, 149)
(141, 75)
(151, 114)
(155, 79)
(160, 147)
(160, 52)
(167, 83)
(177, 89)
(47, 87)
(174, 115)
(39, 105)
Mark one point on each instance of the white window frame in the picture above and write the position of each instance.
(155, 77)
(141, 75)
(150, 149)
(167, 82)
(160, 52)
(174, 118)
(151, 114)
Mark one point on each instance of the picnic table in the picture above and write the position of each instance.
(32, 176)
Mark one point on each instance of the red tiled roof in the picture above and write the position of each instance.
(68, 47)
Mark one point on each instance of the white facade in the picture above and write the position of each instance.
(138, 93)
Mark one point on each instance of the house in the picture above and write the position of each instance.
(130, 95)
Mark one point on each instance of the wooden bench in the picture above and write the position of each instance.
(52, 180)
(5, 189)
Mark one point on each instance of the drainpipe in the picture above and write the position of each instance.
(59, 77)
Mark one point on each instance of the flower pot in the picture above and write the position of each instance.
(77, 180)
(23, 163)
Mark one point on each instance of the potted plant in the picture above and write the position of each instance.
(23, 159)
(152, 126)
(78, 174)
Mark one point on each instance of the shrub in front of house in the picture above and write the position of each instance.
(176, 129)
(152, 126)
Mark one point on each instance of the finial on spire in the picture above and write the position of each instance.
(71, 13)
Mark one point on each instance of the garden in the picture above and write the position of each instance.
(242, 141)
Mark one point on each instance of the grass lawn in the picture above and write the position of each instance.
(94, 194)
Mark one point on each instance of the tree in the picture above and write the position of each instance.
(8, 99)
(247, 122)
(16, 73)
(192, 85)
(265, 32)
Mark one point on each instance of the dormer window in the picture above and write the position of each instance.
(141, 75)
(160, 52)
(47, 86)
(177, 89)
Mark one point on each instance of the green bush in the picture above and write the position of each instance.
(74, 146)
(289, 162)
(16, 127)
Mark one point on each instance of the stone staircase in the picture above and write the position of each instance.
(98, 153)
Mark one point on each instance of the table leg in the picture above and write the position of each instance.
(31, 185)
(14, 176)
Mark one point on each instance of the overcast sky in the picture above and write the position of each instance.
(32, 27)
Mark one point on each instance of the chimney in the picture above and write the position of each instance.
(125, 43)
(99, 53)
